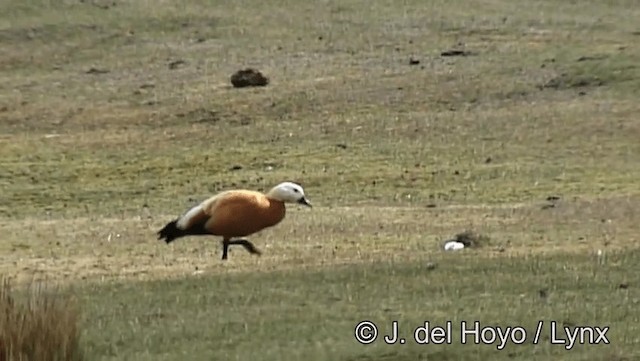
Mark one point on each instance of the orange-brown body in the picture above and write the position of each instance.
(240, 213)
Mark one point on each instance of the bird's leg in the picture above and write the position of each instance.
(242, 242)
(247, 245)
(225, 248)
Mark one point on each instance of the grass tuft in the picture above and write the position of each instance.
(41, 325)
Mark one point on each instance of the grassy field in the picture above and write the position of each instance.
(115, 116)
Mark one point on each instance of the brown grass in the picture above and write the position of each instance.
(41, 326)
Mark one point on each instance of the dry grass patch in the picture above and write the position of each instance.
(41, 325)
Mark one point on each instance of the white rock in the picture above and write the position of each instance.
(453, 246)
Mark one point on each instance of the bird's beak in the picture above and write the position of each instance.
(305, 202)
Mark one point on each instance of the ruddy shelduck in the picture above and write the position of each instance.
(235, 213)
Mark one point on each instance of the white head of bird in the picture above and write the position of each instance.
(289, 192)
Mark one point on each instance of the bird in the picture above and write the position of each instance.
(237, 213)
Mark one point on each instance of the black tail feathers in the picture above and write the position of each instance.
(170, 232)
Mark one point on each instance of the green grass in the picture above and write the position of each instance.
(312, 314)
(102, 142)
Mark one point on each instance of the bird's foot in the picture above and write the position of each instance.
(250, 247)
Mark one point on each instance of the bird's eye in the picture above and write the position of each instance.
(295, 190)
